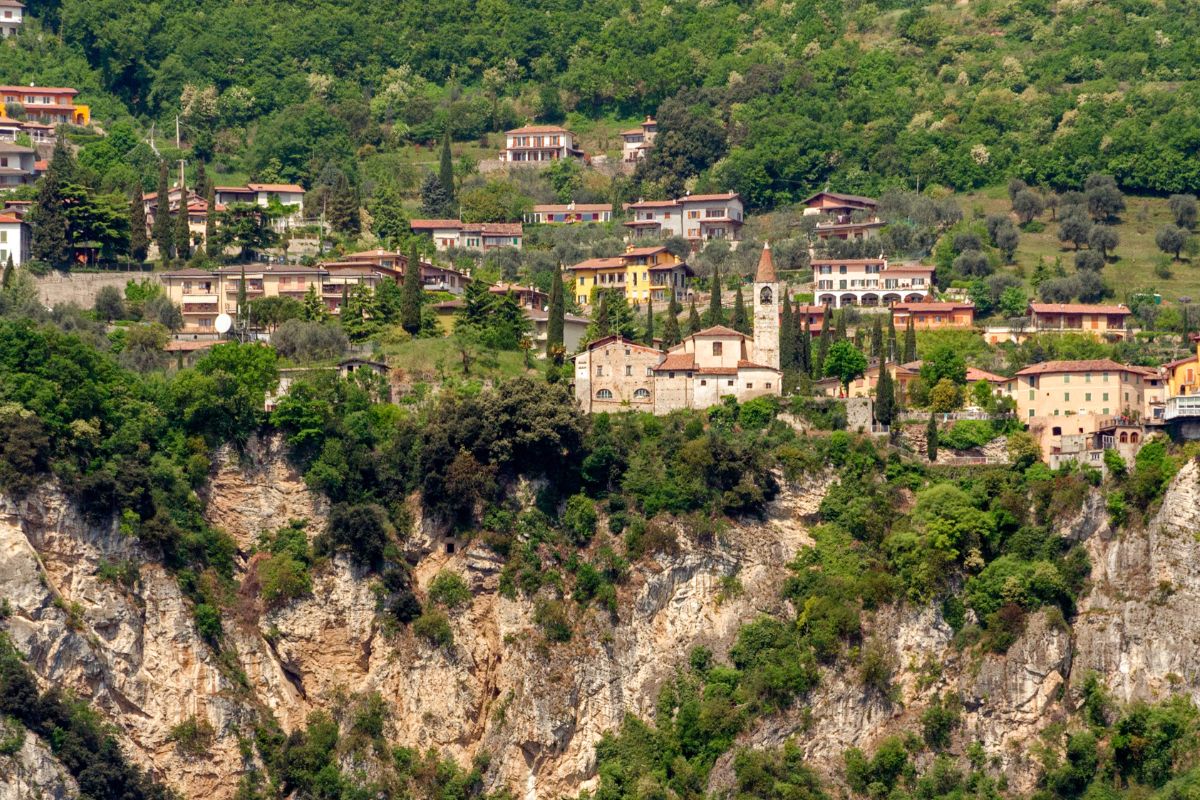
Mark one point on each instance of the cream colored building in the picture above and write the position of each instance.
(615, 374)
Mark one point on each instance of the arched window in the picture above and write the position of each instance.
(604, 394)
(1133, 438)
(1124, 437)
(641, 394)
(764, 296)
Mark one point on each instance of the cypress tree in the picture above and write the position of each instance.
(858, 338)
(693, 320)
(715, 315)
(6, 281)
(893, 349)
(211, 246)
(649, 322)
(139, 237)
(885, 397)
(601, 321)
(671, 335)
(51, 242)
(410, 303)
(839, 332)
(202, 182)
(877, 339)
(555, 317)
(804, 347)
(741, 322)
(163, 233)
(183, 235)
(446, 170)
(910, 342)
(822, 351)
(343, 206)
(787, 336)
(931, 438)
(242, 305)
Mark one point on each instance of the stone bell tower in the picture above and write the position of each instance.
(766, 311)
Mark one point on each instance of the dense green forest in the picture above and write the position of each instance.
(769, 99)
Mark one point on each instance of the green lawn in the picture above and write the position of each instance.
(1136, 254)
(438, 360)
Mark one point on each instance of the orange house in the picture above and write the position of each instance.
(932, 315)
(1097, 320)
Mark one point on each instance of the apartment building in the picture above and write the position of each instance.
(38, 132)
(54, 105)
(14, 240)
(636, 141)
(289, 195)
(450, 234)
(393, 264)
(933, 315)
(18, 165)
(12, 16)
(640, 273)
(844, 216)
(1106, 321)
(699, 218)
(567, 213)
(203, 295)
(869, 282)
(539, 144)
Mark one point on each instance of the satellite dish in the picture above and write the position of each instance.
(224, 323)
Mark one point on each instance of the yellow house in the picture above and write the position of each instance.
(641, 273)
(1183, 376)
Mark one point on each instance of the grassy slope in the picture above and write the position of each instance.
(1137, 253)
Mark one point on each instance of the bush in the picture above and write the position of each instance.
(193, 736)
(938, 721)
(551, 616)
(448, 589)
(434, 627)
(876, 669)
(579, 518)
(967, 433)
(363, 529)
(208, 622)
(303, 341)
(282, 578)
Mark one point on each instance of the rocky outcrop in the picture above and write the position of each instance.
(33, 773)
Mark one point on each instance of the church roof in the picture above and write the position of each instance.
(766, 266)
(718, 330)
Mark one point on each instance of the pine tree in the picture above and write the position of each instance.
(314, 308)
(410, 305)
(787, 336)
(649, 322)
(211, 245)
(446, 171)
(910, 343)
(693, 320)
(877, 339)
(434, 200)
(343, 206)
(555, 318)
(931, 438)
(164, 234)
(51, 241)
(671, 335)
(885, 397)
(139, 237)
(183, 234)
(715, 314)
(741, 321)
(893, 349)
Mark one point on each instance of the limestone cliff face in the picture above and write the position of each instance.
(539, 709)
(32, 773)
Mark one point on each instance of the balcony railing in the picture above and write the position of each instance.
(1182, 407)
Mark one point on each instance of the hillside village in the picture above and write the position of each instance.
(638, 400)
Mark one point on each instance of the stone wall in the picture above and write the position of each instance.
(80, 288)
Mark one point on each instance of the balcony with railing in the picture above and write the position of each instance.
(1182, 407)
(200, 308)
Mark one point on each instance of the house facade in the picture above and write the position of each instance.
(450, 234)
(1102, 321)
(393, 264)
(53, 105)
(699, 218)
(567, 213)
(636, 141)
(12, 16)
(289, 195)
(869, 282)
(539, 144)
(18, 165)
(640, 273)
(614, 374)
(931, 315)
(843, 216)
(14, 240)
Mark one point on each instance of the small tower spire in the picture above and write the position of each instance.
(766, 266)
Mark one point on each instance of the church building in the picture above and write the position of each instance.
(615, 374)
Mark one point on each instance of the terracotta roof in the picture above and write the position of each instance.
(975, 374)
(539, 129)
(275, 187)
(9, 219)
(566, 207)
(599, 263)
(704, 198)
(645, 251)
(1092, 365)
(766, 266)
(233, 189)
(654, 204)
(1076, 308)
(1179, 361)
(39, 90)
(932, 306)
(853, 198)
(742, 364)
(432, 224)
(677, 361)
(501, 228)
(719, 330)
(880, 260)
(11, 4)
(632, 132)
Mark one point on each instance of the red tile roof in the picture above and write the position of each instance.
(566, 207)
(742, 364)
(432, 224)
(275, 187)
(644, 251)
(599, 263)
(718, 330)
(677, 361)
(9, 219)
(39, 90)
(1076, 308)
(853, 198)
(705, 198)
(539, 129)
(766, 266)
(932, 306)
(654, 204)
(1091, 365)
